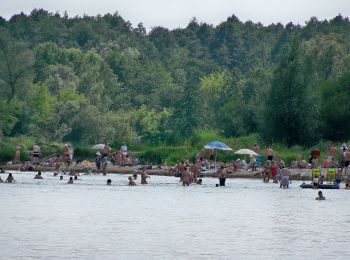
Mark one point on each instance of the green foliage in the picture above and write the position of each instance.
(16, 62)
(290, 109)
(335, 108)
(88, 80)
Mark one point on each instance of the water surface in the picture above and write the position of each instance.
(247, 219)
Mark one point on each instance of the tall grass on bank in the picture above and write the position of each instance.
(157, 154)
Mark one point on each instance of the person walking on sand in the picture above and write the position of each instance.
(106, 150)
(66, 156)
(222, 175)
(36, 153)
(269, 152)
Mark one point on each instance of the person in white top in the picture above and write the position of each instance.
(36, 153)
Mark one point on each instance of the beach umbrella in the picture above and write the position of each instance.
(216, 145)
(98, 146)
(246, 152)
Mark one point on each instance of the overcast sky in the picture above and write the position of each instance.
(178, 13)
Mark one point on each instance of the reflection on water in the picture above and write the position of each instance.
(247, 219)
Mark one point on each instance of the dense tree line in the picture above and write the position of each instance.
(92, 79)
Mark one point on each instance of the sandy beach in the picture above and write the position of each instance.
(297, 174)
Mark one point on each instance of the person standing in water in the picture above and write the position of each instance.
(131, 182)
(222, 175)
(38, 176)
(195, 170)
(286, 178)
(144, 177)
(10, 178)
(185, 177)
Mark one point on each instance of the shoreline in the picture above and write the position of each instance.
(297, 174)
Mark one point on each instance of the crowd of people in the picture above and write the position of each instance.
(274, 168)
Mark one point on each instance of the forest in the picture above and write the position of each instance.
(95, 79)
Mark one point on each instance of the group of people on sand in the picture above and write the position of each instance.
(120, 157)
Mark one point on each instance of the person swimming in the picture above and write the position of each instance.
(70, 180)
(38, 176)
(320, 196)
(109, 182)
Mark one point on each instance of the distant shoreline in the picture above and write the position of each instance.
(297, 174)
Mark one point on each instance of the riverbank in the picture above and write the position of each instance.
(297, 174)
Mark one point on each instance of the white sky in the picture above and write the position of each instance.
(178, 13)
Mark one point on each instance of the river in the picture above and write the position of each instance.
(247, 219)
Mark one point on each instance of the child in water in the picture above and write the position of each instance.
(320, 196)
(131, 182)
